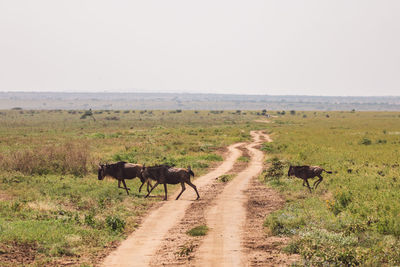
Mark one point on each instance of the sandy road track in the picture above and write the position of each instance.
(222, 245)
(141, 246)
(172, 250)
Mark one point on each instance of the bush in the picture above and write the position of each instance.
(115, 224)
(275, 171)
(365, 141)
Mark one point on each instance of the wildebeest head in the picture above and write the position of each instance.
(291, 171)
(144, 173)
(102, 171)
(190, 171)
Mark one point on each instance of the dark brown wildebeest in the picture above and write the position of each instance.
(121, 171)
(164, 174)
(307, 172)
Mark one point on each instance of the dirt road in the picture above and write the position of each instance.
(234, 212)
(222, 246)
(141, 246)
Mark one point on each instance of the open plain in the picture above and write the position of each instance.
(54, 211)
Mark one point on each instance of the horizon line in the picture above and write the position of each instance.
(188, 93)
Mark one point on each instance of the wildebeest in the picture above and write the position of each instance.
(121, 171)
(164, 174)
(307, 172)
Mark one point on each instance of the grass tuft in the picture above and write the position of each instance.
(200, 230)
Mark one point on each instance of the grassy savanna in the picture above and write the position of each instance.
(53, 209)
(353, 217)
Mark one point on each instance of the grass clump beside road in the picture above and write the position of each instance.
(353, 218)
(200, 230)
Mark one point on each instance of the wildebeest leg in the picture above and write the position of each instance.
(165, 190)
(151, 189)
(126, 188)
(318, 182)
(304, 182)
(119, 185)
(149, 184)
(140, 188)
(308, 185)
(183, 189)
(194, 187)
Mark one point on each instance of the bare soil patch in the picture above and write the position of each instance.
(5, 196)
(16, 254)
(263, 121)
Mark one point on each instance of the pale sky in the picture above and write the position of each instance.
(319, 47)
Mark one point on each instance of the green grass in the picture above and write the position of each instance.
(244, 159)
(354, 215)
(200, 230)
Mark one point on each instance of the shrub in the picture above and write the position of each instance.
(115, 224)
(365, 141)
(276, 169)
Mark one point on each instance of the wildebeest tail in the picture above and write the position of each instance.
(328, 171)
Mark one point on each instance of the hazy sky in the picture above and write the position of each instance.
(319, 47)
